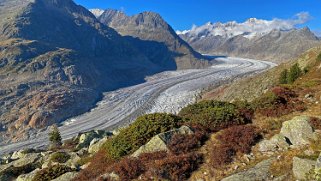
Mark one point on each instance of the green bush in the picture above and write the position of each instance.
(214, 114)
(140, 132)
(60, 157)
(51, 173)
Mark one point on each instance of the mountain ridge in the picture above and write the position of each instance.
(150, 26)
(257, 39)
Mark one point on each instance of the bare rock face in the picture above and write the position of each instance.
(151, 33)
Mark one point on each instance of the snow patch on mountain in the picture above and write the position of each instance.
(251, 28)
(97, 12)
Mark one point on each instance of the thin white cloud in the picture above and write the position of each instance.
(249, 28)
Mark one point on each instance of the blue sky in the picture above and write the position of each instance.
(182, 14)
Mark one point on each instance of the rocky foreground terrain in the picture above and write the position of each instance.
(56, 59)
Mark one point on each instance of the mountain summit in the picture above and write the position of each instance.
(151, 28)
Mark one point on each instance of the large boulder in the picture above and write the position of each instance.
(66, 177)
(277, 143)
(94, 147)
(257, 173)
(28, 177)
(298, 131)
(301, 167)
(160, 141)
(25, 164)
(86, 138)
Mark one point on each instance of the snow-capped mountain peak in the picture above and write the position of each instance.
(251, 28)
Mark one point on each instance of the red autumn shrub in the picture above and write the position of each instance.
(99, 165)
(150, 157)
(200, 132)
(220, 155)
(278, 102)
(240, 138)
(128, 168)
(183, 143)
(175, 168)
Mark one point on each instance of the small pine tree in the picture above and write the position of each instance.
(55, 137)
(295, 73)
(284, 77)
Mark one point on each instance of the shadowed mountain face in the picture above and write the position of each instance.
(277, 45)
(150, 27)
(55, 60)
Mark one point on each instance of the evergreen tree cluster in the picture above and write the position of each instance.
(288, 77)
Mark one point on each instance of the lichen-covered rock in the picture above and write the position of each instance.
(31, 158)
(258, 173)
(27, 163)
(73, 161)
(301, 167)
(28, 177)
(276, 143)
(94, 148)
(160, 141)
(298, 131)
(66, 177)
(86, 138)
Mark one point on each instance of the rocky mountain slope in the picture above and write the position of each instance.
(155, 37)
(55, 60)
(257, 39)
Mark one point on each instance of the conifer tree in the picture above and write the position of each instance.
(295, 73)
(55, 137)
(284, 77)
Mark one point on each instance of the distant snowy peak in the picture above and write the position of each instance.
(251, 28)
(97, 12)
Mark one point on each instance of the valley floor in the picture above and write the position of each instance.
(164, 92)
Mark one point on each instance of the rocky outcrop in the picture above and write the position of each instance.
(277, 143)
(85, 139)
(298, 131)
(160, 141)
(301, 167)
(28, 177)
(95, 146)
(259, 172)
